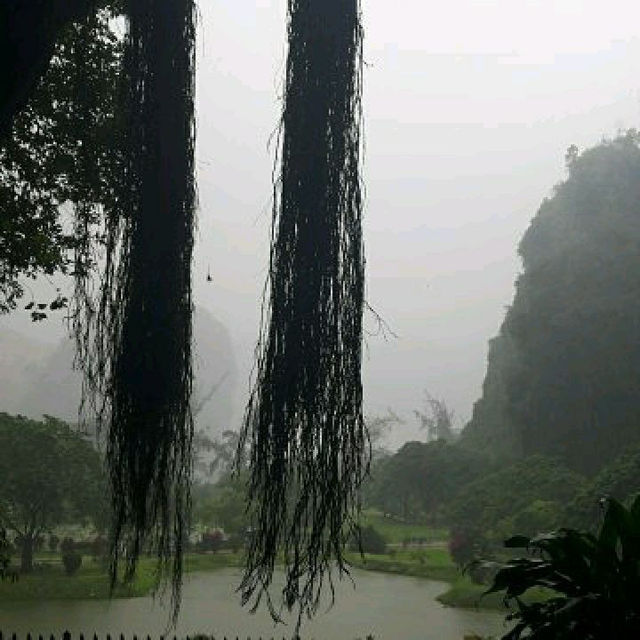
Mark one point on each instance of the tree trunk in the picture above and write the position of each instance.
(27, 35)
(26, 555)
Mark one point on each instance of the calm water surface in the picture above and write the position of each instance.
(387, 606)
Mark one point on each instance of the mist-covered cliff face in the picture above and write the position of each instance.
(492, 427)
(563, 374)
(20, 360)
(215, 368)
(38, 378)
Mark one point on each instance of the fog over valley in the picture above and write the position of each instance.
(438, 435)
(465, 135)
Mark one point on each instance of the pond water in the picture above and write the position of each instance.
(386, 606)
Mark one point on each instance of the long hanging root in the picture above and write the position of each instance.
(309, 448)
(135, 340)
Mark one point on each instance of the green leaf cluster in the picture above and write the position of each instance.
(421, 478)
(594, 579)
(523, 496)
(61, 158)
(620, 479)
(222, 504)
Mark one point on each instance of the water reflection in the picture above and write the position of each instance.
(386, 606)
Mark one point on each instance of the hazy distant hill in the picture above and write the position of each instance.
(563, 375)
(38, 378)
(214, 364)
(20, 358)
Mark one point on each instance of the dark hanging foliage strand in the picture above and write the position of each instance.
(309, 448)
(134, 338)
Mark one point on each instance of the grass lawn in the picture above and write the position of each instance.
(434, 563)
(466, 594)
(50, 582)
(395, 532)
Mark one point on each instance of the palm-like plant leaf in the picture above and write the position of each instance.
(595, 581)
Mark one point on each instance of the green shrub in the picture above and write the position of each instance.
(371, 541)
(234, 543)
(54, 541)
(529, 490)
(465, 546)
(5, 554)
(211, 541)
(99, 547)
(72, 561)
(67, 545)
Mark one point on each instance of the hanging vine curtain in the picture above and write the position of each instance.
(135, 340)
(304, 418)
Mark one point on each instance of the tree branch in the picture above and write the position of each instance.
(28, 31)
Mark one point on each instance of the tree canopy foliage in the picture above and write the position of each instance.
(61, 155)
(619, 479)
(520, 491)
(564, 371)
(436, 419)
(421, 478)
(48, 475)
(29, 33)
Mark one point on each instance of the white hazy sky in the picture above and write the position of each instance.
(469, 108)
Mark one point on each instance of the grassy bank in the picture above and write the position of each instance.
(436, 564)
(49, 581)
(467, 595)
(464, 593)
(396, 532)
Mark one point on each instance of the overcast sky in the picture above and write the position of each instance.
(469, 108)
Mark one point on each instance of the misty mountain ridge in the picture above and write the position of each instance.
(37, 378)
(564, 371)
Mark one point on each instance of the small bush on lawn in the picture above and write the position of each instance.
(72, 561)
(372, 541)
